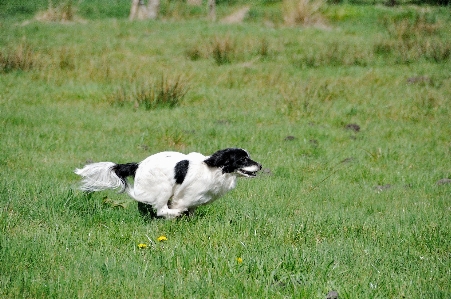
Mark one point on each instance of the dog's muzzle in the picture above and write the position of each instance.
(249, 171)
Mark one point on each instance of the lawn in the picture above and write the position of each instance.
(350, 119)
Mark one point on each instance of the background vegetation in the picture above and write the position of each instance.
(349, 116)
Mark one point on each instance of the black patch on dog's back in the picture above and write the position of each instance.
(181, 169)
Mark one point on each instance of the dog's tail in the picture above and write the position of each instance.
(106, 175)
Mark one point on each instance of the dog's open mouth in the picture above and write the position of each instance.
(245, 173)
(250, 171)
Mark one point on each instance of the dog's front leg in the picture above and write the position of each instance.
(170, 213)
(191, 211)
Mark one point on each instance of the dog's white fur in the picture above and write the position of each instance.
(155, 182)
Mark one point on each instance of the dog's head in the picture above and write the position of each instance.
(234, 160)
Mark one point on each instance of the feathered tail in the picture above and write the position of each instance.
(106, 175)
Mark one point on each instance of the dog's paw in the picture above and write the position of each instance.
(170, 213)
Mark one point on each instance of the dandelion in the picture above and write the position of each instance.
(239, 260)
(142, 245)
(162, 238)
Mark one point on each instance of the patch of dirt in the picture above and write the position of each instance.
(353, 127)
(237, 17)
(443, 182)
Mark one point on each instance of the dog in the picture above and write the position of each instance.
(172, 183)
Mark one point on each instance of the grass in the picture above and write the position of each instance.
(303, 12)
(163, 94)
(359, 212)
(20, 58)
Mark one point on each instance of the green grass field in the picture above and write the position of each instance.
(350, 120)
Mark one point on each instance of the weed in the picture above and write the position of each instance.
(22, 58)
(296, 100)
(66, 59)
(413, 38)
(166, 93)
(173, 139)
(263, 50)
(336, 54)
(411, 27)
(438, 50)
(120, 96)
(64, 12)
(223, 49)
(193, 53)
(303, 12)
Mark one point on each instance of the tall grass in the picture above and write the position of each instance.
(20, 58)
(414, 38)
(304, 12)
(63, 12)
(222, 50)
(165, 93)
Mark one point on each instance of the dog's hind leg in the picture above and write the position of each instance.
(158, 196)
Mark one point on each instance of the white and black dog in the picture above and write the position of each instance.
(173, 183)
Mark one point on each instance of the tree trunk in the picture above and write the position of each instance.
(134, 9)
(140, 11)
(212, 10)
(153, 7)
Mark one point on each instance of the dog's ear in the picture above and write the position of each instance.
(218, 159)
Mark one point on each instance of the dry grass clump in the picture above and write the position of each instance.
(167, 93)
(412, 38)
(64, 12)
(336, 53)
(409, 28)
(22, 58)
(223, 50)
(304, 13)
(164, 94)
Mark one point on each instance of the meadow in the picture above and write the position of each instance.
(350, 118)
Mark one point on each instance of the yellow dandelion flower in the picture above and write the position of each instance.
(239, 260)
(162, 238)
(142, 245)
